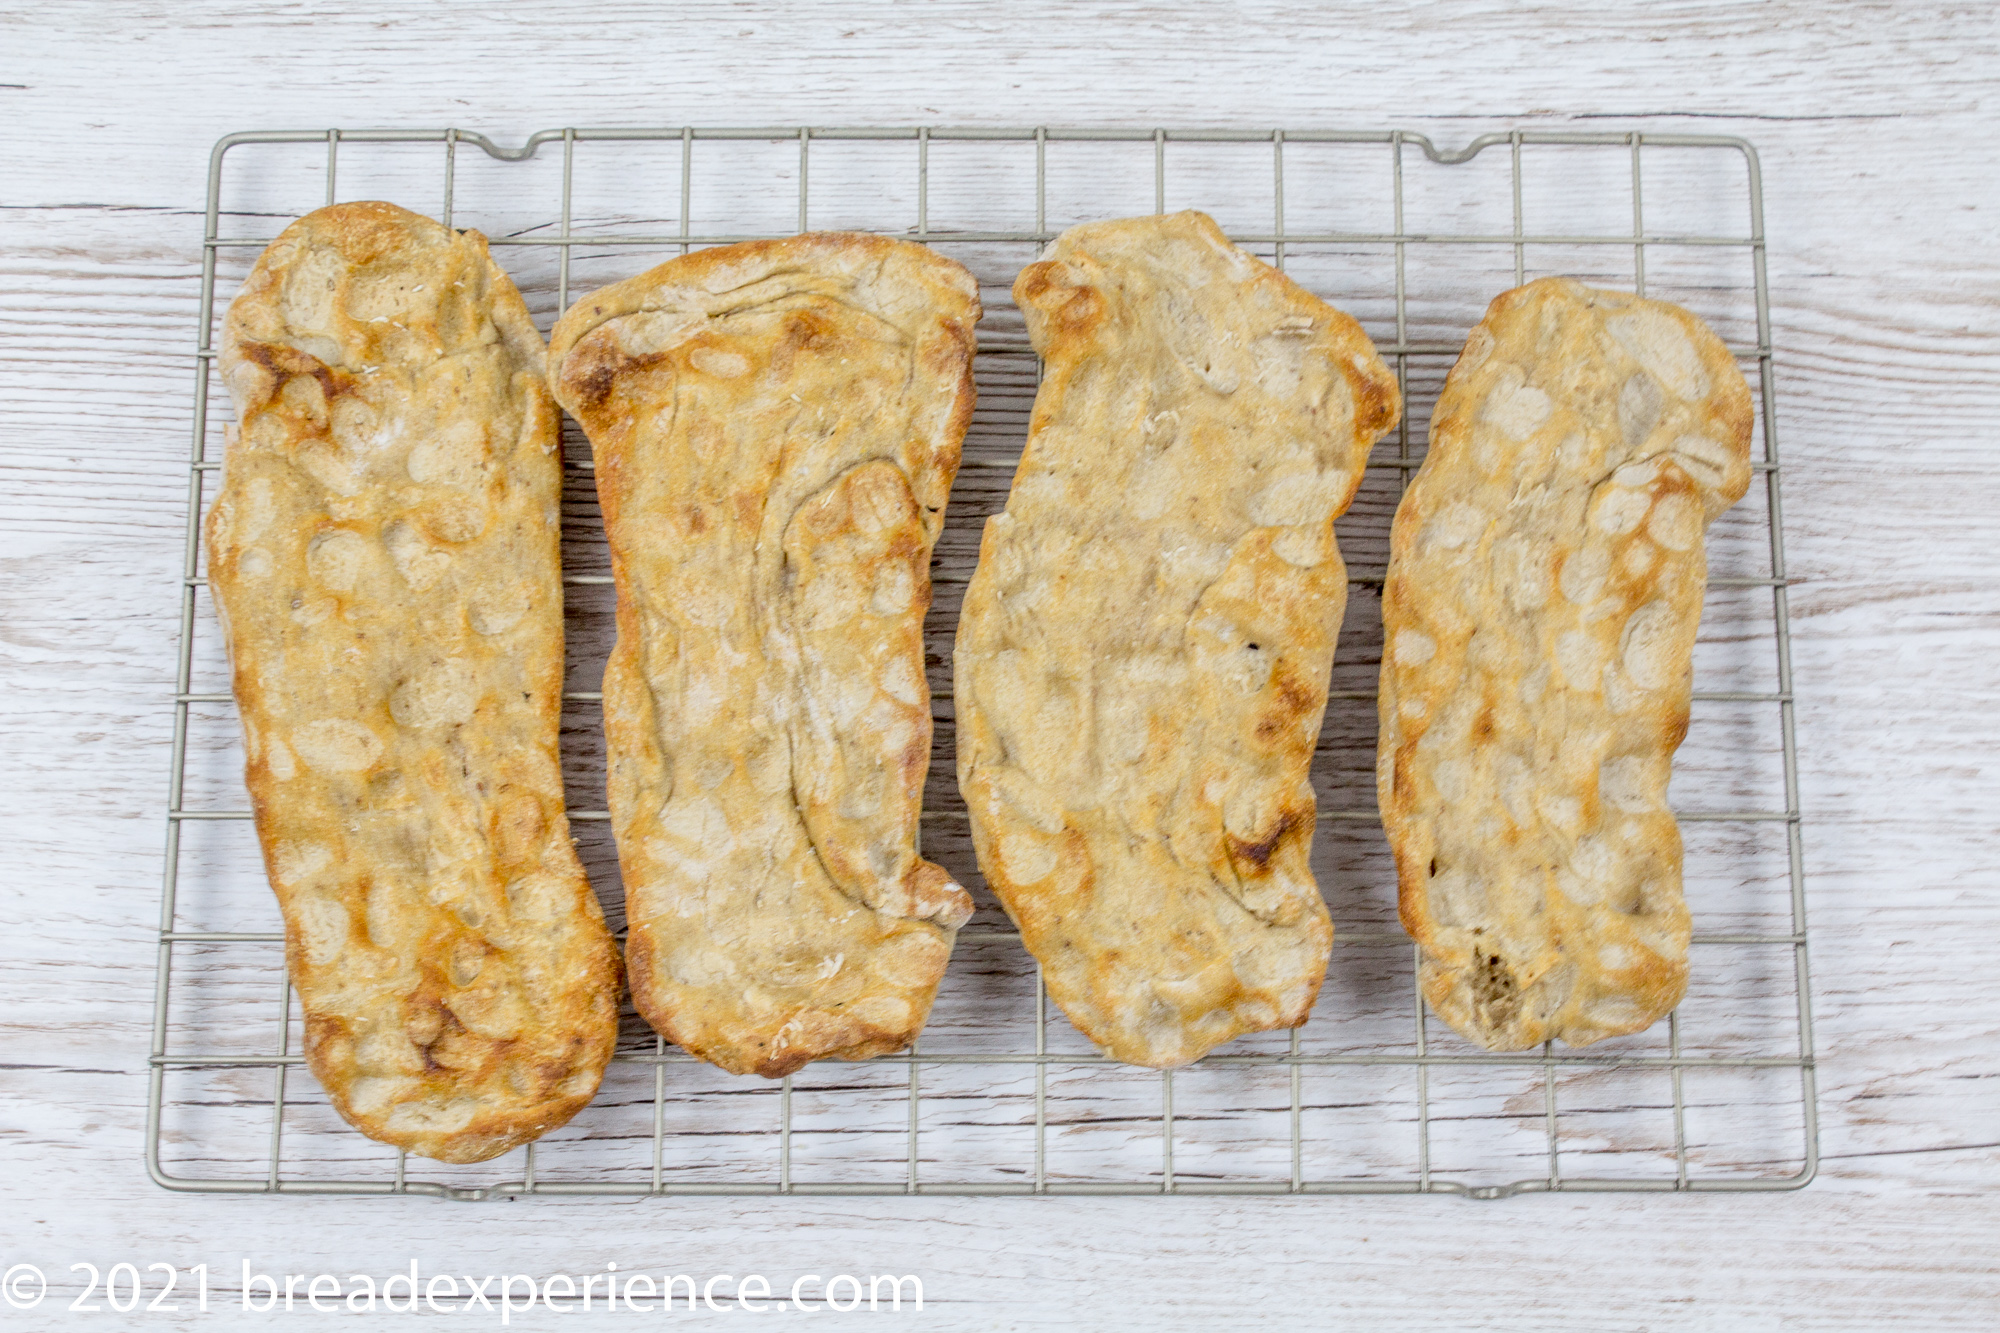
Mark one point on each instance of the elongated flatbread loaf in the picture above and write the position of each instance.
(383, 555)
(776, 427)
(1143, 656)
(1545, 579)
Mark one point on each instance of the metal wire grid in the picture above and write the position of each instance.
(1401, 350)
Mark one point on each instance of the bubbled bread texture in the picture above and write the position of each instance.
(1545, 580)
(383, 554)
(1143, 656)
(776, 427)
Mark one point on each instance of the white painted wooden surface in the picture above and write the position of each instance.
(1874, 124)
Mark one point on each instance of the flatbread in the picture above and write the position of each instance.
(383, 555)
(1144, 651)
(776, 427)
(1545, 580)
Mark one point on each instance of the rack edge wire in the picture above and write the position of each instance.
(1424, 1182)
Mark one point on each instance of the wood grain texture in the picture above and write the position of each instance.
(1885, 275)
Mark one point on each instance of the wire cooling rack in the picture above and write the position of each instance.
(1002, 1097)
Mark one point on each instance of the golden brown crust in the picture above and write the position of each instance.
(776, 427)
(1545, 579)
(1144, 650)
(383, 555)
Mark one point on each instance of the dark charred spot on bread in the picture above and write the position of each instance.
(592, 368)
(1259, 853)
(1494, 991)
(439, 1021)
(283, 362)
(333, 382)
(593, 386)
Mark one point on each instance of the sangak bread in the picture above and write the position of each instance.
(1545, 578)
(383, 558)
(776, 427)
(1144, 651)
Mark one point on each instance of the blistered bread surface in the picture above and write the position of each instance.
(776, 426)
(1545, 580)
(1143, 656)
(383, 554)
